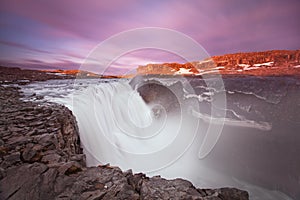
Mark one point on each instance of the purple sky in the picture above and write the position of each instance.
(61, 33)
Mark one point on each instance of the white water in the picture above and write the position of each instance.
(117, 127)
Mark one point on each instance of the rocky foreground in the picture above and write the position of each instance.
(41, 158)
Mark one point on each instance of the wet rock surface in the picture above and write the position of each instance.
(41, 158)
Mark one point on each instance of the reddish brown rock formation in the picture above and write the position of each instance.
(276, 62)
(280, 58)
(165, 68)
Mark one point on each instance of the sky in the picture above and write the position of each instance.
(62, 33)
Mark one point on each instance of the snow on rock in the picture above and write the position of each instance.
(243, 65)
(184, 71)
(250, 68)
(201, 72)
(247, 67)
(264, 64)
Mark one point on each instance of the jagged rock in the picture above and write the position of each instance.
(69, 168)
(2, 173)
(80, 158)
(136, 180)
(51, 158)
(10, 160)
(22, 182)
(232, 194)
(159, 188)
(167, 98)
(98, 182)
(32, 153)
(18, 140)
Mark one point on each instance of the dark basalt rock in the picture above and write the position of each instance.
(19, 76)
(41, 158)
(160, 96)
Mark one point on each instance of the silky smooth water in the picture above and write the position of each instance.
(256, 151)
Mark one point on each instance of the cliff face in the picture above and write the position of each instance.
(277, 62)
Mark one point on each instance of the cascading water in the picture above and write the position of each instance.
(118, 127)
(159, 129)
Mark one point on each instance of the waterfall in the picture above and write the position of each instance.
(117, 127)
(158, 130)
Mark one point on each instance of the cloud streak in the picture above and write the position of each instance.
(22, 46)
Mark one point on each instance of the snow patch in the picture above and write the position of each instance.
(207, 72)
(184, 71)
(243, 65)
(250, 68)
(264, 64)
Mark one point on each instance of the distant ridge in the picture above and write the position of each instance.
(79, 73)
(275, 62)
(73, 72)
(265, 63)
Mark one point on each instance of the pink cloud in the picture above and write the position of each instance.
(22, 46)
(68, 30)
